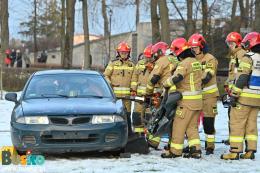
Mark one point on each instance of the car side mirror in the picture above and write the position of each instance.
(11, 97)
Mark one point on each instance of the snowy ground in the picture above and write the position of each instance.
(137, 163)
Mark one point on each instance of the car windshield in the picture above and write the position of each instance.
(67, 86)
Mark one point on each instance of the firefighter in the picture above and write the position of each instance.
(245, 101)
(138, 87)
(163, 69)
(233, 41)
(187, 80)
(210, 90)
(119, 72)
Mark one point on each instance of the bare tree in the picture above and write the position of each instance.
(179, 12)
(155, 22)
(4, 27)
(165, 23)
(247, 13)
(62, 32)
(233, 15)
(190, 24)
(137, 3)
(105, 18)
(35, 49)
(87, 58)
(4, 15)
(204, 5)
(251, 9)
(257, 14)
(70, 14)
(242, 14)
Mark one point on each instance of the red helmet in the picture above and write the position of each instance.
(159, 49)
(179, 45)
(123, 47)
(197, 40)
(148, 51)
(234, 37)
(8, 51)
(250, 40)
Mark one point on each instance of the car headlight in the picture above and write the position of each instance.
(100, 119)
(33, 120)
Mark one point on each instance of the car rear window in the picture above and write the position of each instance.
(67, 85)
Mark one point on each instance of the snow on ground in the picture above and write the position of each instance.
(137, 163)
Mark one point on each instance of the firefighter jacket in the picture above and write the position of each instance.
(234, 62)
(163, 69)
(119, 73)
(188, 75)
(140, 78)
(250, 94)
(209, 68)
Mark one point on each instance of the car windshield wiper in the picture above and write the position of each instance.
(89, 96)
(54, 95)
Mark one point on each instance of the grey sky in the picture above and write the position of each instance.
(123, 20)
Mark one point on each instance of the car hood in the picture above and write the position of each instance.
(65, 106)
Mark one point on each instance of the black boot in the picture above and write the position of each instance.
(186, 149)
(169, 154)
(166, 147)
(209, 151)
(209, 146)
(248, 155)
(230, 156)
(196, 154)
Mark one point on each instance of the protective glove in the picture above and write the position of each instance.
(168, 83)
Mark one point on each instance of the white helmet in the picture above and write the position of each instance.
(168, 52)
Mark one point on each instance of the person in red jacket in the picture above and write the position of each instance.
(8, 59)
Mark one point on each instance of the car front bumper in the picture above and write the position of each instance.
(64, 138)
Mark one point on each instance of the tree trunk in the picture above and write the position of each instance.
(204, 6)
(156, 37)
(4, 28)
(105, 18)
(251, 14)
(62, 32)
(257, 14)
(87, 62)
(190, 26)
(137, 3)
(247, 13)
(242, 14)
(70, 15)
(35, 50)
(165, 23)
(233, 15)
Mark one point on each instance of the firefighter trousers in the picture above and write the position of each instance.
(243, 126)
(210, 111)
(185, 121)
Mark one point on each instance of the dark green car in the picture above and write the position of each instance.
(67, 111)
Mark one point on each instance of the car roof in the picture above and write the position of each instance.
(47, 72)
